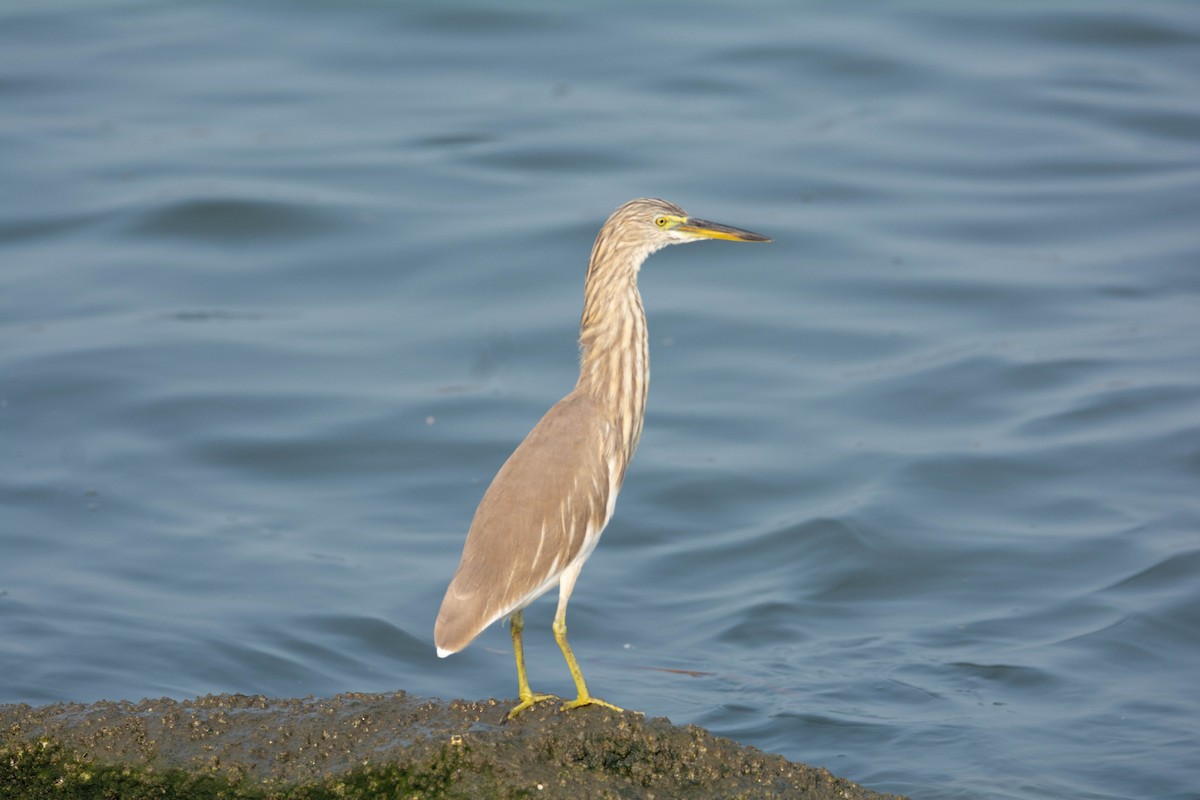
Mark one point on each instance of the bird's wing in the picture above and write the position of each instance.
(545, 508)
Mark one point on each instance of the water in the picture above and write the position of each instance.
(281, 286)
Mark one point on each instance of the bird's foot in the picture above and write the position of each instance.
(529, 701)
(588, 700)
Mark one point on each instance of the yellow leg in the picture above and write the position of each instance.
(584, 698)
(565, 586)
(528, 698)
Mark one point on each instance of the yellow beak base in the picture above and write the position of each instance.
(715, 230)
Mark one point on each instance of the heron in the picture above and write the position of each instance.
(544, 511)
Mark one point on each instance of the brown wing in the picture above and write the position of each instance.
(533, 520)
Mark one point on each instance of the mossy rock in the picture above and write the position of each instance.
(370, 746)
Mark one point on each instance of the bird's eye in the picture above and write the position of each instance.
(661, 222)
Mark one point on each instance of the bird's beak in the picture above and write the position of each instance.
(715, 230)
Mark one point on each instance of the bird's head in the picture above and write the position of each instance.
(650, 224)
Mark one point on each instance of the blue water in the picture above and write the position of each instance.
(282, 284)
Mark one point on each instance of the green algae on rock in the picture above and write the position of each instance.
(370, 745)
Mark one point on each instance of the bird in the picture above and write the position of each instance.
(542, 515)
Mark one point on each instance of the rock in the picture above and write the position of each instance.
(369, 745)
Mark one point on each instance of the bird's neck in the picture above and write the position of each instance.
(614, 349)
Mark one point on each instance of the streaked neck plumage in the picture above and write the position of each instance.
(614, 348)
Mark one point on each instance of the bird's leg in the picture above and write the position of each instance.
(584, 699)
(566, 584)
(528, 698)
